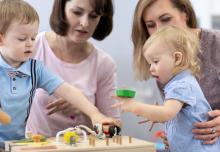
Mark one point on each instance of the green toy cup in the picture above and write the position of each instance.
(126, 93)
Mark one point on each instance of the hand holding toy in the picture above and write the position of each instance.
(126, 93)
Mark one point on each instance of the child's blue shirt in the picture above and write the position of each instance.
(17, 92)
(185, 88)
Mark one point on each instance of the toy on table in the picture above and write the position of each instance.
(71, 136)
(106, 131)
(159, 145)
(4, 118)
(35, 138)
(127, 93)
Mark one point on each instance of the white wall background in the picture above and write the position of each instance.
(119, 45)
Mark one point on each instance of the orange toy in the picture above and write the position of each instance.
(37, 138)
(4, 118)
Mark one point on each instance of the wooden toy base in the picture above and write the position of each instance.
(100, 146)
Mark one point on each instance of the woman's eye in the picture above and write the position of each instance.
(93, 16)
(76, 12)
(166, 19)
(150, 25)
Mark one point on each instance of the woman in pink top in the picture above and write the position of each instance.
(67, 52)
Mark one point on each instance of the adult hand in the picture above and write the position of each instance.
(208, 131)
(102, 119)
(61, 105)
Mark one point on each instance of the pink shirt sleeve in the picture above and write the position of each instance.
(106, 86)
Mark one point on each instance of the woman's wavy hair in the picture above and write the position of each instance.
(60, 25)
(140, 33)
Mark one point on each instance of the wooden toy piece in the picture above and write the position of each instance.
(117, 139)
(120, 140)
(99, 146)
(90, 140)
(125, 93)
(130, 139)
(107, 141)
(36, 138)
(4, 118)
(93, 141)
(113, 139)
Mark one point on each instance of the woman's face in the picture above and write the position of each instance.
(161, 13)
(82, 19)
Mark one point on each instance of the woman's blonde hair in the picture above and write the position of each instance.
(16, 10)
(140, 33)
(178, 40)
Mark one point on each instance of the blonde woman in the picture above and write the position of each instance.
(150, 15)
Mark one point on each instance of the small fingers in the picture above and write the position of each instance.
(117, 105)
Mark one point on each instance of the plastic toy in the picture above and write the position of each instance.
(4, 118)
(114, 130)
(36, 138)
(125, 93)
(70, 137)
(106, 131)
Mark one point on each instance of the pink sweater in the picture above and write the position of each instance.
(95, 77)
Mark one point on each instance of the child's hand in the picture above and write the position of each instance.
(125, 104)
(102, 119)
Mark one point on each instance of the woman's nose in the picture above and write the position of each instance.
(158, 26)
(84, 22)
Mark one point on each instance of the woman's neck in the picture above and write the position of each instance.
(67, 50)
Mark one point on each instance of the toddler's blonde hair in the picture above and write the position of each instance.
(16, 11)
(180, 40)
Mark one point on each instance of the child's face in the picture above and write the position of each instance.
(161, 60)
(17, 45)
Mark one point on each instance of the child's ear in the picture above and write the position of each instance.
(178, 57)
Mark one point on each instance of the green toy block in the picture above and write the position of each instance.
(125, 93)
